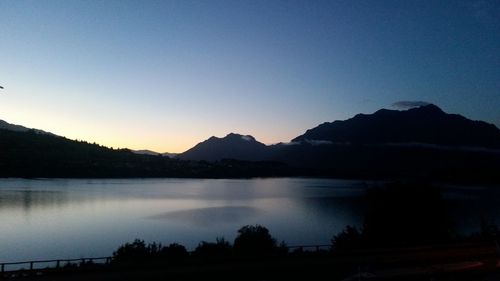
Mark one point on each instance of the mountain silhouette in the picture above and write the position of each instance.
(424, 143)
(232, 146)
(425, 125)
(154, 153)
(29, 154)
(18, 128)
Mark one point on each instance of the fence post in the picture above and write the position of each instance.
(58, 263)
(31, 265)
(3, 267)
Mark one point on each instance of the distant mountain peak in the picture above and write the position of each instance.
(423, 109)
(429, 108)
(426, 124)
(238, 137)
(233, 137)
(232, 146)
(248, 138)
(154, 153)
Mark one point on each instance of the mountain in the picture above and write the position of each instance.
(29, 154)
(423, 142)
(424, 125)
(145, 152)
(232, 146)
(150, 152)
(18, 128)
(32, 154)
(170, 154)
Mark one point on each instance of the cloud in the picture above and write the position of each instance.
(319, 142)
(290, 143)
(409, 104)
(247, 138)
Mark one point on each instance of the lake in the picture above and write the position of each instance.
(73, 218)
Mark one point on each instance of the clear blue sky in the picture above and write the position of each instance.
(165, 75)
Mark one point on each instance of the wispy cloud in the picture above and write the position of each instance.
(247, 138)
(319, 142)
(290, 143)
(409, 104)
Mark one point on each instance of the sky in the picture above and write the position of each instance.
(165, 75)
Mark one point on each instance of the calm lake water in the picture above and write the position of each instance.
(50, 219)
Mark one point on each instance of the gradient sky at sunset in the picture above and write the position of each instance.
(164, 75)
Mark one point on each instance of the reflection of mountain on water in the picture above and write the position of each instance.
(27, 198)
(211, 215)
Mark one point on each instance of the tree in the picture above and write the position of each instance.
(174, 253)
(135, 251)
(254, 240)
(218, 250)
(406, 214)
(349, 238)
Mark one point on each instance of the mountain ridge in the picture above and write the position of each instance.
(425, 124)
(376, 128)
(232, 146)
(154, 153)
(352, 152)
(18, 128)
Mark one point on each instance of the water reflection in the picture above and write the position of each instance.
(45, 219)
(27, 199)
(348, 209)
(211, 215)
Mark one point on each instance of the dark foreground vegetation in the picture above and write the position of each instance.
(406, 235)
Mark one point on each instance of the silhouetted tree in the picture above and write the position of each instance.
(349, 238)
(174, 253)
(218, 250)
(406, 214)
(135, 251)
(254, 240)
(400, 215)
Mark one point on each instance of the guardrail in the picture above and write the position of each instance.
(58, 263)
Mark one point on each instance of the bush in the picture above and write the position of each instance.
(349, 238)
(406, 214)
(173, 253)
(135, 251)
(220, 249)
(138, 252)
(400, 214)
(254, 240)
